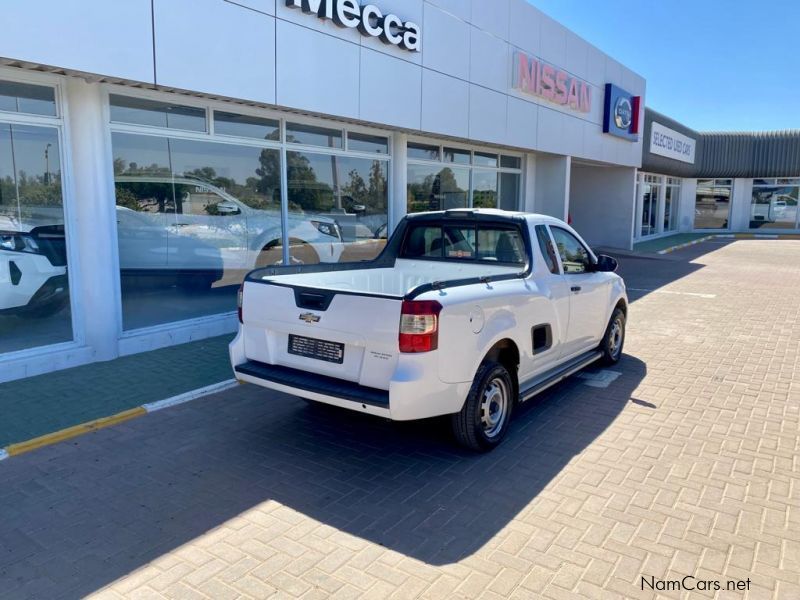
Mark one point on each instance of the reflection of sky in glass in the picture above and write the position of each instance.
(228, 160)
(27, 98)
(484, 181)
(29, 144)
(313, 136)
(233, 162)
(246, 126)
(141, 111)
(142, 150)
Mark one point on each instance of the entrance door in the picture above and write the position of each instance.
(650, 202)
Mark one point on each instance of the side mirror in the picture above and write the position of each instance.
(606, 264)
(228, 208)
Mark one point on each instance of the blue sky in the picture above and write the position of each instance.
(710, 64)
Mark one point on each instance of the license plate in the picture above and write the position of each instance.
(318, 349)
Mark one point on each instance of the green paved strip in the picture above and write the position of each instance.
(46, 403)
(667, 242)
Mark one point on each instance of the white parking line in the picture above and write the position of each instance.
(695, 294)
(599, 379)
(189, 396)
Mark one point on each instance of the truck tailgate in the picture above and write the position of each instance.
(341, 334)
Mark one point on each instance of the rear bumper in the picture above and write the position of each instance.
(314, 383)
(29, 280)
(413, 393)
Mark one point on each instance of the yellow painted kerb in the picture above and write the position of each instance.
(71, 432)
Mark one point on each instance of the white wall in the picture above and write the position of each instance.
(602, 204)
(686, 215)
(551, 185)
(529, 184)
(740, 206)
(95, 36)
(459, 85)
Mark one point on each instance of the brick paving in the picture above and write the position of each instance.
(687, 464)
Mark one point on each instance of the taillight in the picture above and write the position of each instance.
(239, 298)
(419, 325)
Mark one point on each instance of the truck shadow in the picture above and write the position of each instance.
(80, 515)
(407, 487)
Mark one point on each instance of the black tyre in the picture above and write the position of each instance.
(614, 338)
(484, 419)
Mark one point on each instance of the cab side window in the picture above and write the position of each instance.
(546, 246)
(574, 256)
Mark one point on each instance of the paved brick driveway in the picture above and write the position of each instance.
(686, 464)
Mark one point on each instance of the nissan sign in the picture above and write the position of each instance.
(368, 19)
(538, 78)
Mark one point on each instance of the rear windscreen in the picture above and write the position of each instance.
(488, 243)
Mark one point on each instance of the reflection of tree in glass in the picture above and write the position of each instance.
(371, 198)
(38, 190)
(306, 192)
(261, 192)
(484, 199)
(437, 191)
(39, 199)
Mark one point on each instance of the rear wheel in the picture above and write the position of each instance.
(614, 338)
(483, 421)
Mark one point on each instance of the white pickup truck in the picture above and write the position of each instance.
(465, 313)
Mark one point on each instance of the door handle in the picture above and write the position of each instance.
(575, 288)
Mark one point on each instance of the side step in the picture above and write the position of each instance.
(529, 389)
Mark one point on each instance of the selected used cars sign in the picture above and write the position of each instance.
(671, 144)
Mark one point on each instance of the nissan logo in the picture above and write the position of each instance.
(623, 113)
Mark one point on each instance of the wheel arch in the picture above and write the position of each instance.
(265, 238)
(622, 305)
(506, 352)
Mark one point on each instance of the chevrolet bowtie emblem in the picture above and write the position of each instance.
(310, 318)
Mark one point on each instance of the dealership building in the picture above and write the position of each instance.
(152, 152)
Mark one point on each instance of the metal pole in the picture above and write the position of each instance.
(16, 180)
(285, 206)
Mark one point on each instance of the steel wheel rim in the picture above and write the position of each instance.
(615, 339)
(494, 407)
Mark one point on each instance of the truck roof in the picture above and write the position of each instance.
(487, 212)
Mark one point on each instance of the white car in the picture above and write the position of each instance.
(33, 271)
(205, 227)
(770, 209)
(465, 313)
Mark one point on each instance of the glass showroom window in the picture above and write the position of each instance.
(34, 291)
(774, 204)
(651, 194)
(197, 210)
(672, 199)
(442, 178)
(713, 203)
(338, 204)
